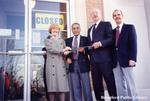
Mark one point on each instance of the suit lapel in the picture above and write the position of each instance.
(122, 33)
(97, 31)
(71, 41)
(99, 26)
(81, 42)
(89, 33)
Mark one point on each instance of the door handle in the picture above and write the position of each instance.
(15, 53)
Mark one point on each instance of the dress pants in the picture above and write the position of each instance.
(100, 71)
(80, 81)
(125, 85)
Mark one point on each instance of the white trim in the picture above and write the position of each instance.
(78, 14)
(62, 1)
(49, 11)
(28, 42)
(72, 14)
(68, 18)
(26, 2)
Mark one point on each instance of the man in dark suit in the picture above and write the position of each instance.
(79, 65)
(124, 57)
(100, 38)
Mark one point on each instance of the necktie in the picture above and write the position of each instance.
(117, 35)
(75, 47)
(93, 31)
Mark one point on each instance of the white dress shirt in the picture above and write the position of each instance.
(78, 40)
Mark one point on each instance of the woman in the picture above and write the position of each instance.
(56, 76)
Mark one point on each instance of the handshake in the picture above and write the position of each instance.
(68, 50)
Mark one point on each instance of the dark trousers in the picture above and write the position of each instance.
(100, 70)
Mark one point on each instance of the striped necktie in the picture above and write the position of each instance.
(75, 47)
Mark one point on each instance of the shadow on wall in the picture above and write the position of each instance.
(147, 7)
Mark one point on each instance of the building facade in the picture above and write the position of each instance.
(24, 26)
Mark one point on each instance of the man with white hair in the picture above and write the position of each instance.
(101, 39)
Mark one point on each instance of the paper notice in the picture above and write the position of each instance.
(17, 34)
(5, 32)
(36, 38)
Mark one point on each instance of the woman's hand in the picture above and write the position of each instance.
(67, 49)
(67, 52)
(69, 61)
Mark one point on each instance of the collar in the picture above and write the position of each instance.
(78, 39)
(120, 26)
(97, 23)
(76, 36)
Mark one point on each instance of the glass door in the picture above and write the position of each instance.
(12, 49)
(23, 28)
(44, 13)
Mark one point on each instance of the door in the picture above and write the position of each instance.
(23, 28)
(44, 13)
(12, 49)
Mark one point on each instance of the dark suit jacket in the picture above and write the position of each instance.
(83, 60)
(127, 46)
(103, 33)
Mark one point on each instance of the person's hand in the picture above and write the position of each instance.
(67, 49)
(81, 49)
(97, 45)
(67, 52)
(132, 63)
(69, 61)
